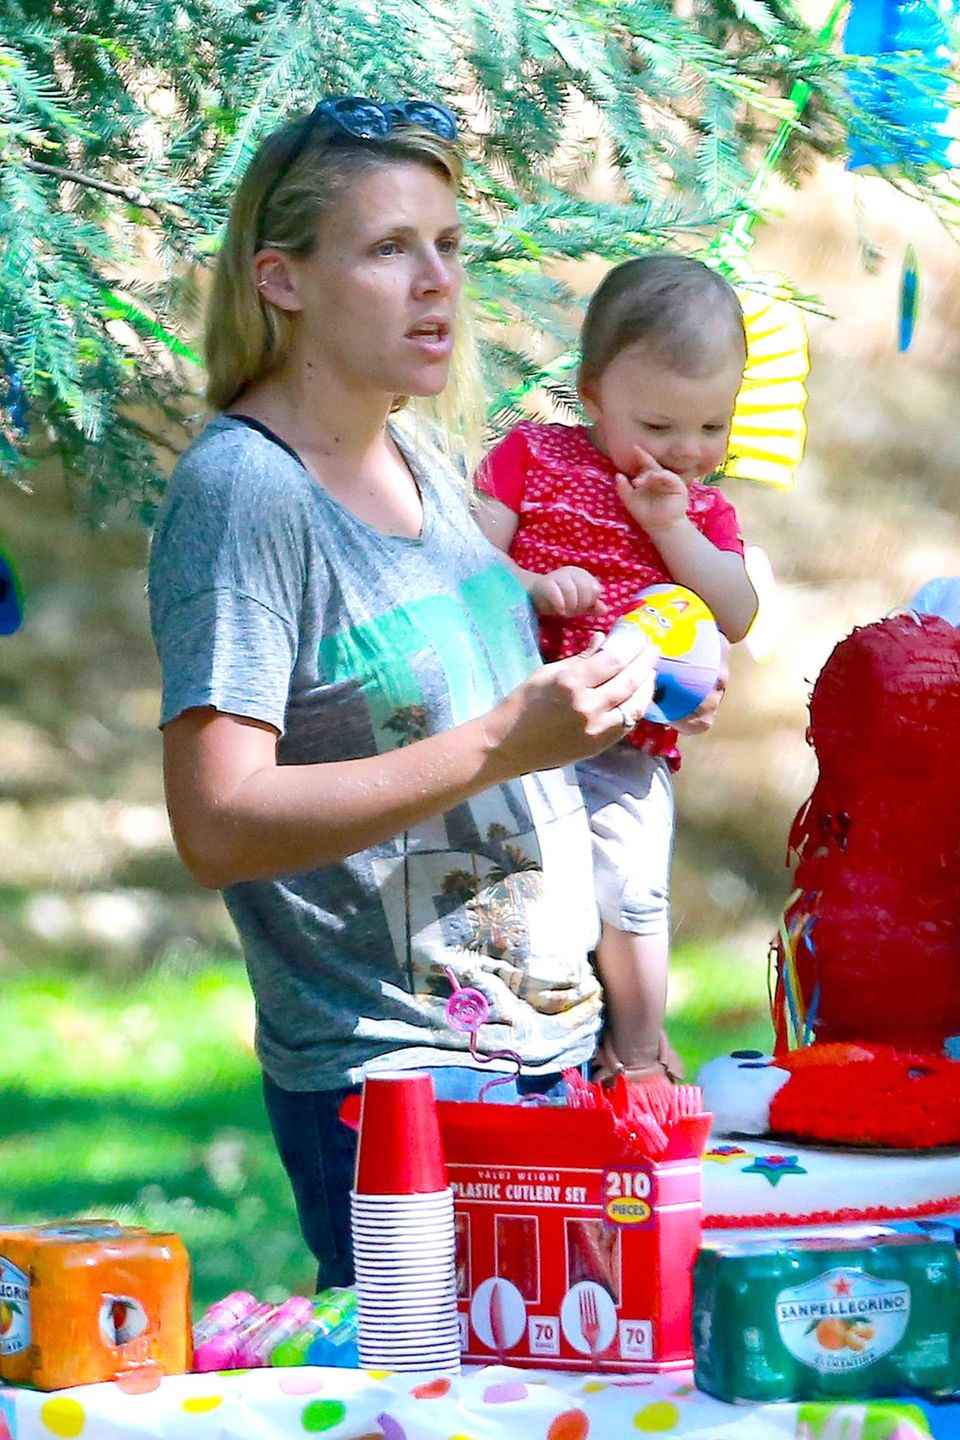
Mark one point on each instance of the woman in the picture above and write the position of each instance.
(360, 743)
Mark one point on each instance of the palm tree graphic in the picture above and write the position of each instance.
(497, 907)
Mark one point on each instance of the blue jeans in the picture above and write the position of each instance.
(318, 1152)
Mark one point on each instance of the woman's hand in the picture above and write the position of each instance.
(571, 709)
(570, 590)
(239, 815)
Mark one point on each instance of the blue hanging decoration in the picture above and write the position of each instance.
(17, 402)
(914, 101)
(14, 405)
(909, 299)
(14, 408)
(11, 597)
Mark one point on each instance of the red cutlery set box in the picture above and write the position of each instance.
(574, 1250)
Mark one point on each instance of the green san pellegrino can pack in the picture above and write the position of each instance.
(850, 1314)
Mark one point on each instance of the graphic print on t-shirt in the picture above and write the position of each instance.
(435, 651)
(469, 883)
(486, 904)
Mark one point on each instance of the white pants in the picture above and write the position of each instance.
(629, 799)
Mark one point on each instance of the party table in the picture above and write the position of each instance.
(490, 1403)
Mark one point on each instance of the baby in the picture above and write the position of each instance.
(592, 514)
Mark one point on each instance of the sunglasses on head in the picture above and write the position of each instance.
(363, 119)
(369, 120)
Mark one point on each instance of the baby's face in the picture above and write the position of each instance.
(684, 423)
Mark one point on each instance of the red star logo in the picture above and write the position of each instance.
(841, 1286)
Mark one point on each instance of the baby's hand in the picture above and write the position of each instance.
(656, 498)
(567, 591)
(706, 712)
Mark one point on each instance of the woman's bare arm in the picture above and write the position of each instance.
(238, 815)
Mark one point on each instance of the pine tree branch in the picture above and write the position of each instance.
(676, 109)
(153, 437)
(124, 192)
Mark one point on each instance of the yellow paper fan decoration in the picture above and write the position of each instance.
(769, 430)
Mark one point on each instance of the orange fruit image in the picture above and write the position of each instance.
(832, 1334)
(858, 1334)
(6, 1317)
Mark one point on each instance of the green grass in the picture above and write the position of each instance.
(718, 1002)
(142, 1101)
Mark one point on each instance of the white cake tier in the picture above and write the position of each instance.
(760, 1183)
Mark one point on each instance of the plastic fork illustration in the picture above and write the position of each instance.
(589, 1321)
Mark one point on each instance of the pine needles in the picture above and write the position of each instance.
(125, 124)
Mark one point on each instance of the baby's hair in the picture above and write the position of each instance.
(676, 309)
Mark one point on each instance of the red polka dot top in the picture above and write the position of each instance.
(563, 491)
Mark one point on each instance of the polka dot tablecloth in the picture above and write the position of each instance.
(496, 1403)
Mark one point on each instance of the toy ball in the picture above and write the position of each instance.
(685, 633)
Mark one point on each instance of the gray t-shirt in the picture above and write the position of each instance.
(270, 600)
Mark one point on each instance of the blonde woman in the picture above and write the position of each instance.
(362, 749)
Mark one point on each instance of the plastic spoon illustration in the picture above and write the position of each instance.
(465, 1011)
(497, 1323)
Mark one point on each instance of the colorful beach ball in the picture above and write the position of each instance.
(685, 633)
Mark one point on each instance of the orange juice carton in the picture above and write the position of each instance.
(16, 1244)
(91, 1300)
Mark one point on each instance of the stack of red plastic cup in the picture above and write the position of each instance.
(403, 1230)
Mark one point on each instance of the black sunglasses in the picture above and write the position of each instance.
(369, 120)
(364, 119)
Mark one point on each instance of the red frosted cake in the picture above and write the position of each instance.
(866, 1005)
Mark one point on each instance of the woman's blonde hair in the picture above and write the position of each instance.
(245, 337)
